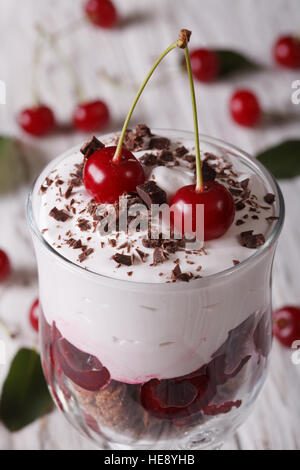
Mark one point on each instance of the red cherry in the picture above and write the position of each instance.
(205, 65)
(106, 180)
(287, 52)
(91, 116)
(219, 208)
(5, 267)
(175, 398)
(102, 13)
(286, 325)
(82, 368)
(37, 121)
(34, 315)
(245, 108)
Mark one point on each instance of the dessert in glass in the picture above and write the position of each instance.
(151, 342)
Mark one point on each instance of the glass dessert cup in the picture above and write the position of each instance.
(157, 365)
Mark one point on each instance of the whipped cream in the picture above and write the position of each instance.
(148, 327)
(218, 255)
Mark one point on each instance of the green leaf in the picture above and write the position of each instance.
(283, 160)
(233, 62)
(12, 164)
(25, 395)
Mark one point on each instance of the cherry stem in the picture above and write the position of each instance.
(199, 182)
(118, 152)
(36, 63)
(51, 39)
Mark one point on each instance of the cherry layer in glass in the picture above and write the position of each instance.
(152, 348)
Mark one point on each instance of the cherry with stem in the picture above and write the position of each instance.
(218, 204)
(112, 171)
(39, 119)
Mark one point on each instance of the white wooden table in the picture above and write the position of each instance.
(148, 27)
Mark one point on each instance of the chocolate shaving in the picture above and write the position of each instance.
(84, 225)
(239, 222)
(124, 260)
(186, 277)
(235, 262)
(142, 254)
(91, 146)
(143, 130)
(75, 244)
(69, 191)
(180, 151)
(209, 174)
(250, 240)
(165, 156)
(150, 193)
(269, 198)
(272, 218)
(159, 256)
(85, 254)
(176, 272)
(159, 143)
(152, 243)
(244, 183)
(240, 206)
(149, 159)
(59, 215)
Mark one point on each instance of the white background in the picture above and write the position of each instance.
(126, 54)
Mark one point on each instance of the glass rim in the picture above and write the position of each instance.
(196, 283)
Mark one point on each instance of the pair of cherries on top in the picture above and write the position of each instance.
(109, 174)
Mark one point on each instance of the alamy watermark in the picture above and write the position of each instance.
(160, 221)
(296, 93)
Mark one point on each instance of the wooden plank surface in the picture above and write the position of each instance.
(126, 54)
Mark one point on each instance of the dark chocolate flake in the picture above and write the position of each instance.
(85, 254)
(176, 272)
(142, 254)
(240, 206)
(149, 159)
(180, 151)
(124, 260)
(250, 240)
(209, 174)
(59, 215)
(91, 146)
(151, 193)
(159, 256)
(69, 191)
(84, 225)
(159, 143)
(269, 198)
